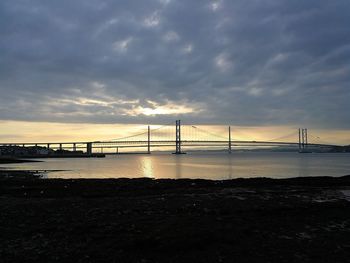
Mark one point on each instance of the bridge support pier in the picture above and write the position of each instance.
(89, 148)
(74, 147)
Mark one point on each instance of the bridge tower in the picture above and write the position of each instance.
(303, 140)
(149, 140)
(229, 140)
(178, 138)
(306, 139)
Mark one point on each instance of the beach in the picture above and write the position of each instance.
(145, 220)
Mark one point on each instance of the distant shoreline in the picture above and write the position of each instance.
(9, 160)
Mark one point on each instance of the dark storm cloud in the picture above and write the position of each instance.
(240, 62)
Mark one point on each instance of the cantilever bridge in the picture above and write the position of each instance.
(180, 136)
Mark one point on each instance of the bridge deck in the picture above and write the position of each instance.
(160, 143)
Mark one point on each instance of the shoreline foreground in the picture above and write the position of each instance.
(145, 220)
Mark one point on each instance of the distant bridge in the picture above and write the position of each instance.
(179, 136)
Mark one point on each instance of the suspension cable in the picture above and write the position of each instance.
(282, 137)
(212, 134)
(143, 133)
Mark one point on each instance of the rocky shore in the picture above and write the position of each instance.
(145, 220)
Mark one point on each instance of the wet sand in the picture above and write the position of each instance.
(144, 220)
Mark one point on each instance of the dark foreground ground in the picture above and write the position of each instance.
(143, 220)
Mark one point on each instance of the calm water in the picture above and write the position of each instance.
(196, 165)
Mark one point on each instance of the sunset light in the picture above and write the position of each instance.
(187, 131)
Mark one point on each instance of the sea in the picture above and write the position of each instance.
(194, 165)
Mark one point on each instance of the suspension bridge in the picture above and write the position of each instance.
(178, 137)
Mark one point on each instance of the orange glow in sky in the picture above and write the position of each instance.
(20, 131)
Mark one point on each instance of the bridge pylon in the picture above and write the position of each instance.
(303, 140)
(149, 140)
(178, 138)
(229, 140)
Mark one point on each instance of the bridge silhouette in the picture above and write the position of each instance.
(179, 136)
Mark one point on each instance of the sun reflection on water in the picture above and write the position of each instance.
(147, 166)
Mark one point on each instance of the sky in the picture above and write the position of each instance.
(115, 63)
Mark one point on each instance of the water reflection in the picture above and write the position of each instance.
(304, 165)
(205, 166)
(178, 166)
(230, 167)
(147, 166)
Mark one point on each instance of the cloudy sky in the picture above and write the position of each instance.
(242, 62)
